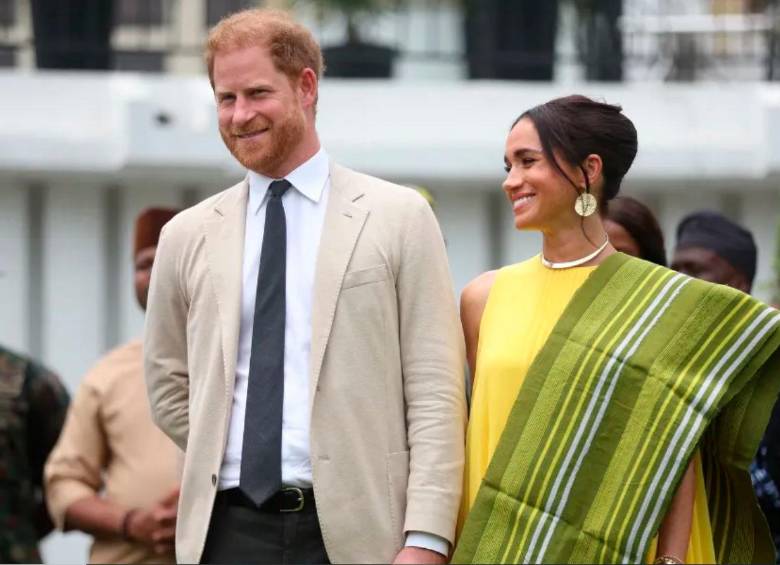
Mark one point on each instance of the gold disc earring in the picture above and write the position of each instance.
(586, 204)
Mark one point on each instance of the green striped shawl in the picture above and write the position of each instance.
(644, 366)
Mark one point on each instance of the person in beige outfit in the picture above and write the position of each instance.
(302, 340)
(113, 474)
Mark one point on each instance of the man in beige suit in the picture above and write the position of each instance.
(302, 342)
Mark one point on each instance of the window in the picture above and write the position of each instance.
(143, 34)
(7, 56)
(7, 13)
(217, 9)
(141, 12)
(149, 61)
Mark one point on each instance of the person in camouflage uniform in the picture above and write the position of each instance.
(33, 404)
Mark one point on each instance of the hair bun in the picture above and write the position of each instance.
(576, 126)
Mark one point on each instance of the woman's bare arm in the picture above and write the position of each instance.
(472, 305)
(675, 531)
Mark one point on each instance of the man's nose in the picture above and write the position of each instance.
(243, 112)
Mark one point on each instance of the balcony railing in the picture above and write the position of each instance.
(509, 39)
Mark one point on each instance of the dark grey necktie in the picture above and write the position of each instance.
(261, 454)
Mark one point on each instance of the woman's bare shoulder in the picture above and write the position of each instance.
(475, 293)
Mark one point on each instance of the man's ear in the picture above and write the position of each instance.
(308, 87)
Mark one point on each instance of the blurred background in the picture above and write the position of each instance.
(105, 109)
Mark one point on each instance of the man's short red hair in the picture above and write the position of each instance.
(291, 45)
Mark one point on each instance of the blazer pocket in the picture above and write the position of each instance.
(368, 275)
(398, 482)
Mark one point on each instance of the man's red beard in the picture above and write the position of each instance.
(267, 154)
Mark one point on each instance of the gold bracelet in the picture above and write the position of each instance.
(667, 560)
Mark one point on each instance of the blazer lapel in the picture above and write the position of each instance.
(344, 221)
(225, 252)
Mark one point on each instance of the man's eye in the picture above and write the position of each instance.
(507, 168)
(528, 162)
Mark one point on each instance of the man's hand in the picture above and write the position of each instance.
(156, 527)
(418, 555)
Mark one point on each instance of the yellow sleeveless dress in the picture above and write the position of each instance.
(524, 304)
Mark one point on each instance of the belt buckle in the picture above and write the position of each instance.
(297, 491)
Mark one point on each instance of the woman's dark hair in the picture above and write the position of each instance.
(575, 127)
(640, 223)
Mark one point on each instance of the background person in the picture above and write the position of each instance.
(114, 474)
(33, 403)
(712, 248)
(716, 249)
(633, 229)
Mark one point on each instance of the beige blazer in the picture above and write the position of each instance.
(387, 362)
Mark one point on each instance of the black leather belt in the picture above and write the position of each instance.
(288, 499)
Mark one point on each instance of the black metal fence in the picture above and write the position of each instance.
(609, 40)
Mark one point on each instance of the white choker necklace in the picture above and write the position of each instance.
(576, 262)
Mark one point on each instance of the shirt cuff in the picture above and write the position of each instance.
(428, 541)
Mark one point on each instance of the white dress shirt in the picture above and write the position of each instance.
(304, 208)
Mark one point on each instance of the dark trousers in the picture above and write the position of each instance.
(239, 533)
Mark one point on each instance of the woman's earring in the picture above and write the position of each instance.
(586, 204)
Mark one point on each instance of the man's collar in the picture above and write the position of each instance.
(309, 179)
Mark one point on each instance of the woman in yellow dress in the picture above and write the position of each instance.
(563, 464)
